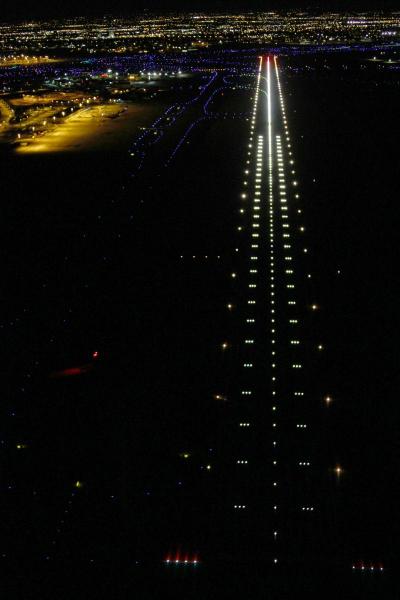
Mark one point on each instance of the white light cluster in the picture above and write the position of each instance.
(256, 200)
(272, 266)
(255, 225)
(285, 225)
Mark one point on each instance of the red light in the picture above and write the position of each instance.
(72, 371)
(95, 354)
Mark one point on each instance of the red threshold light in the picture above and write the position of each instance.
(71, 372)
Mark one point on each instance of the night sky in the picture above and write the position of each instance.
(58, 8)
